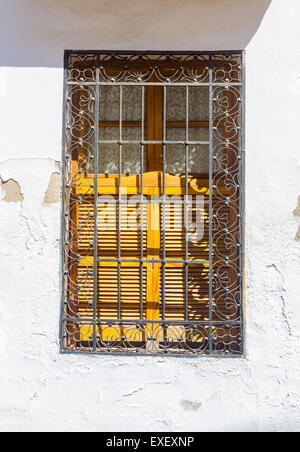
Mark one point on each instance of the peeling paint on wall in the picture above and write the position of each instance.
(12, 191)
(297, 210)
(190, 406)
(52, 195)
(297, 214)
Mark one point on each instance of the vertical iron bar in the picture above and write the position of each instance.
(96, 169)
(242, 219)
(120, 199)
(186, 294)
(164, 207)
(142, 207)
(63, 204)
(210, 202)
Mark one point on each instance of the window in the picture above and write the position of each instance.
(153, 203)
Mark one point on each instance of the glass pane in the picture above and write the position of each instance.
(109, 103)
(175, 160)
(109, 98)
(131, 134)
(198, 134)
(132, 103)
(198, 159)
(176, 103)
(195, 134)
(112, 133)
(131, 159)
(109, 133)
(108, 152)
(199, 103)
(108, 159)
(176, 134)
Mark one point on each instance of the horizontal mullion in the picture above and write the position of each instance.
(155, 261)
(87, 190)
(120, 142)
(163, 322)
(87, 261)
(83, 83)
(156, 201)
(169, 124)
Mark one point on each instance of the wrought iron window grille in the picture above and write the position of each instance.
(154, 131)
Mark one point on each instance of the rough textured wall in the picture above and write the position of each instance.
(43, 390)
(42, 29)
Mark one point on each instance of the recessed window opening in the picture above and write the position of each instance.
(153, 203)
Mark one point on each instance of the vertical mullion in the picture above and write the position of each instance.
(185, 203)
(164, 205)
(210, 201)
(95, 244)
(142, 206)
(119, 199)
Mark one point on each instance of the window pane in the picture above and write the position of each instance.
(198, 154)
(132, 103)
(131, 159)
(199, 103)
(176, 103)
(109, 98)
(109, 103)
(198, 159)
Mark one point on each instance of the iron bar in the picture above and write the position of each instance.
(164, 204)
(63, 207)
(165, 322)
(199, 84)
(142, 208)
(186, 226)
(120, 142)
(210, 203)
(155, 261)
(151, 201)
(120, 197)
(243, 179)
(95, 243)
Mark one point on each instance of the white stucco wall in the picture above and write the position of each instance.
(43, 390)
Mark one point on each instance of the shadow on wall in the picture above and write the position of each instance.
(35, 33)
